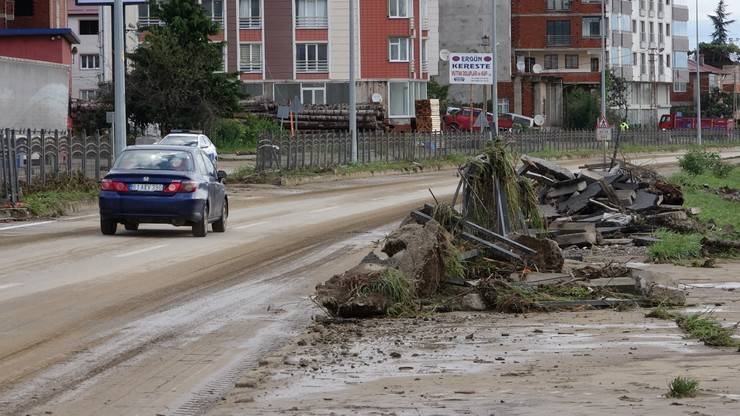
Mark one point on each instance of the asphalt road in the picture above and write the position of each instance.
(158, 322)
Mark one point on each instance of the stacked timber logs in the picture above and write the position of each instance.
(370, 116)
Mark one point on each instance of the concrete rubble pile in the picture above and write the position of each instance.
(620, 206)
(494, 252)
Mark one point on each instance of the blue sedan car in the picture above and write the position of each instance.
(163, 184)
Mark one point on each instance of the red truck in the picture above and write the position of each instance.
(460, 119)
(675, 121)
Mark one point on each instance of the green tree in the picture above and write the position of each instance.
(720, 22)
(176, 79)
(718, 55)
(581, 109)
(617, 96)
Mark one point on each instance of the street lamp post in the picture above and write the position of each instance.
(352, 92)
(603, 58)
(494, 85)
(119, 125)
(698, 80)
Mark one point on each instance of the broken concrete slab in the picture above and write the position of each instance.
(576, 239)
(545, 167)
(644, 240)
(558, 191)
(616, 241)
(626, 197)
(615, 284)
(562, 228)
(473, 302)
(590, 175)
(659, 287)
(577, 203)
(645, 200)
(534, 279)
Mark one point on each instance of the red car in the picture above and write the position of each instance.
(675, 121)
(460, 119)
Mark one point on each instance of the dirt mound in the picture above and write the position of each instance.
(411, 264)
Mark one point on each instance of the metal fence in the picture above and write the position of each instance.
(33, 156)
(322, 150)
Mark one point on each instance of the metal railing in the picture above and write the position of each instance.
(250, 66)
(252, 22)
(311, 22)
(325, 150)
(559, 40)
(312, 66)
(33, 156)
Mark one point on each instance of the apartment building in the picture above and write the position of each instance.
(712, 78)
(300, 48)
(557, 46)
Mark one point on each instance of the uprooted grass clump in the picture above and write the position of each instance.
(703, 327)
(681, 387)
(661, 312)
(393, 284)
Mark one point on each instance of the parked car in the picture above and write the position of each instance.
(517, 121)
(676, 121)
(460, 119)
(199, 140)
(163, 185)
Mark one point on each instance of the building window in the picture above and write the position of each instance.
(222, 52)
(398, 8)
(591, 27)
(558, 32)
(89, 61)
(558, 4)
(680, 59)
(145, 16)
(529, 63)
(571, 61)
(215, 9)
(250, 57)
(503, 105)
(249, 14)
(634, 26)
(713, 81)
(668, 29)
(399, 97)
(88, 27)
(594, 64)
(551, 62)
(313, 93)
(643, 65)
(311, 14)
(398, 49)
(24, 7)
(311, 57)
(424, 63)
(634, 58)
(88, 95)
(680, 87)
(668, 60)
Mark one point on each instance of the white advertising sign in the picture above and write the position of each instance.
(471, 68)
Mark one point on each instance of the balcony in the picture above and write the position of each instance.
(559, 40)
(250, 66)
(424, 66)
(253, 22)
(311, 22)
(312, 66)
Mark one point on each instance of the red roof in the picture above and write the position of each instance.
(705, 68)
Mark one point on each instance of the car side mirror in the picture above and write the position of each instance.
(221, 175)
(204, 146)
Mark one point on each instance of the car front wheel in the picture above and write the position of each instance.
(200, 229)
(108, 227)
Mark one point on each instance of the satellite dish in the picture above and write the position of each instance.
(539, 120)
(537, 68)
(377, 98)
(520, 66)
(444, 55)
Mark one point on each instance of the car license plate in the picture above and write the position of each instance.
(146, 187)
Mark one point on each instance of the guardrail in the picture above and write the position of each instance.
(28, 156)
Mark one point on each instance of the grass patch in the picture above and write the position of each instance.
(393, 285)
(661, 312)
(552, 153)
(681, 387)
(675, 248)
(702, 327)
(56, 203)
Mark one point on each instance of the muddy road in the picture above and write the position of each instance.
(157, 322)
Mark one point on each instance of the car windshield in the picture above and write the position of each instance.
(155, 160)
(180, 141)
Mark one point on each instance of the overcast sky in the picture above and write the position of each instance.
(707, 7)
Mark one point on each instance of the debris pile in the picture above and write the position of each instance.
(620, 206)
(493, 252)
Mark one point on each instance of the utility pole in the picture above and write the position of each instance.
(119, 124)
(352, 92)
(603, 58)
(698, 80)
(494, 86)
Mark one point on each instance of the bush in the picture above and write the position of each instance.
(581, 109)
(696, 161)
(231, 134)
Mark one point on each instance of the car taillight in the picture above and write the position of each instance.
(181, 186)
(109, 185)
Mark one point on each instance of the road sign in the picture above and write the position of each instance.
(283, 112)
(602, 123)
(110, 117)
(603, 130)
(471, 68)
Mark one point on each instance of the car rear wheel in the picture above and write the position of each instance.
(108, 227)
(200, 229)
(131, 227)
(220, 225)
